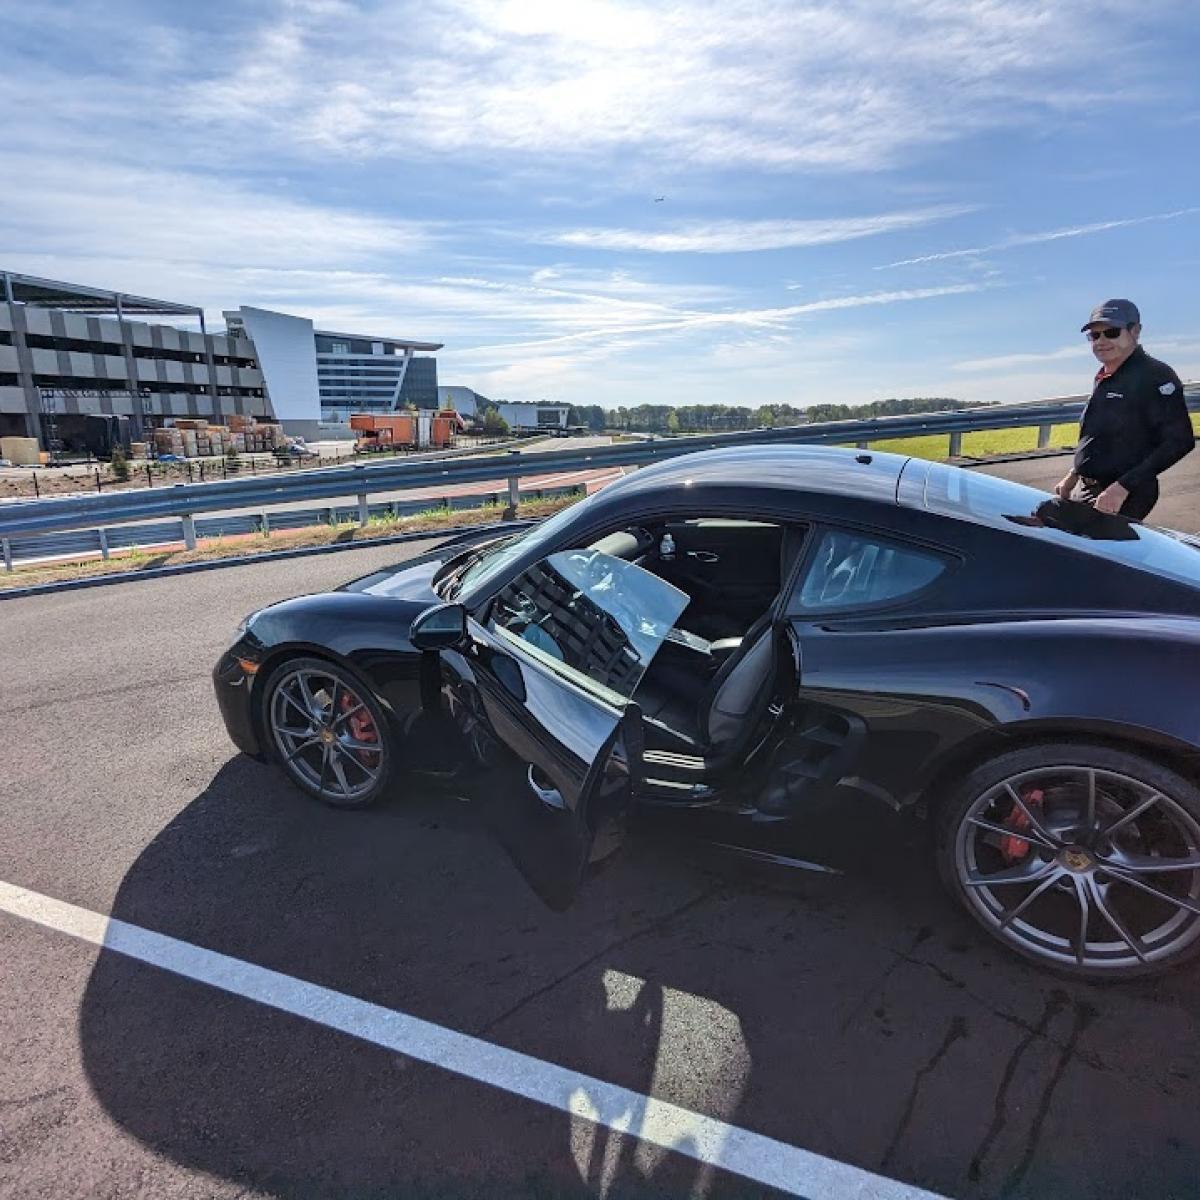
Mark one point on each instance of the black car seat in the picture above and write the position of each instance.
(736, 697)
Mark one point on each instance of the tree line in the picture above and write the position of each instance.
(714, 418)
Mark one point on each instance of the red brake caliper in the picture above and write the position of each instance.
(1016, 848)
(362, 728)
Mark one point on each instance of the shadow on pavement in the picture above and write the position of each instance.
(856, 1016)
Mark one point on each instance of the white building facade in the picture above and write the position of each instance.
(519, 414)
(316, 376)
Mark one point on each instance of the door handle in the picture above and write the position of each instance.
(551, 797)
(704, 556)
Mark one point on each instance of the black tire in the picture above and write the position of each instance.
(366, 771)
(1078, 836)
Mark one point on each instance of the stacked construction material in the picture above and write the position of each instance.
(255, 437)
(194, 437)
(20, 451)
(169, 441)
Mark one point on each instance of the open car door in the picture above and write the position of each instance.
(549, 671)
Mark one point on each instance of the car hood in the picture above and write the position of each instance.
(411, 580)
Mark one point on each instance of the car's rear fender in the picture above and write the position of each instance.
(958, 761)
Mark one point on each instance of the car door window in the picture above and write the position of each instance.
(850, 570)
(590, 615)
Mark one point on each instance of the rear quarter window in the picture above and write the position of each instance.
(851, 571)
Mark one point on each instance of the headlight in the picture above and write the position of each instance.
(244, 623)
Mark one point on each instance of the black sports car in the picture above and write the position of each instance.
(763, 633)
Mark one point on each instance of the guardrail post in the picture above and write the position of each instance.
(7, 546)
(956, 445)
(103, 535)
(514, 492)
(189, 531)
(1044, 432)
(264, 523)
(364, 512)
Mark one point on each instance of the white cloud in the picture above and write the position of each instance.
(709, 83)
(1012, 362)
(726, 237)
(771, 318)
(1034, 239)
(174, 216)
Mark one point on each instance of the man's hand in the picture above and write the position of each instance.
(1066, 485)
(1111, 499)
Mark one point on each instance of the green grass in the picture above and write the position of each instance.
(986, 442)
(980, 444)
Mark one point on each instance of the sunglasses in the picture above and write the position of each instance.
(1094, 335)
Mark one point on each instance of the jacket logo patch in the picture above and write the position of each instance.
(1166, 389)
(1115, 396)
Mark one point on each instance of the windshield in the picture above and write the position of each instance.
(491, 561)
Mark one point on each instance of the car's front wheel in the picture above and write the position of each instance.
(1082, 858)
(328, 733)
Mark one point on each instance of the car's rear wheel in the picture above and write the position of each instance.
(1082, 858)
(328, 732)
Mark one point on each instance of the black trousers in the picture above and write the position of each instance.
(1137, 504)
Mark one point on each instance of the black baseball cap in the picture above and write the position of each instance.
(1114, 312)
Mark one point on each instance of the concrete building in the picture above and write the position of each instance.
(316, 375)
(520, 414)
(68, 350)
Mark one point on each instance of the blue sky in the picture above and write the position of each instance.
(860, 199)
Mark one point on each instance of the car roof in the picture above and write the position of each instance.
(851, 483)
(789, 469)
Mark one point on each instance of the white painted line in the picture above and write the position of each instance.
(592, 474)
(715, 1143)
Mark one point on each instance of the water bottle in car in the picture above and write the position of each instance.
(666, 548)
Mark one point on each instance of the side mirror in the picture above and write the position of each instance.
(441, 627)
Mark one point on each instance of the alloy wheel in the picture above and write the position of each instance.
(1083, 867)
(326, 735)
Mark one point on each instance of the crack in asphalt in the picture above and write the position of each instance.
(957, 1031)
(120, 689)
(1084, 1014)
(36, 1098)
(1055, 1004)
(901, 956)
(655, 925)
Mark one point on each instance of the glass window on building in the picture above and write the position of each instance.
(420, 384)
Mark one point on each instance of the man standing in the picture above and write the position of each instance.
(1136, 424)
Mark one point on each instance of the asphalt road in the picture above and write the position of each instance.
(1178, 506)
(857, 1016)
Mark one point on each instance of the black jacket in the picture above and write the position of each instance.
(1135, 426)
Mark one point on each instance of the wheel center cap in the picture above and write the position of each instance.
(327, 735)
(1076, 858)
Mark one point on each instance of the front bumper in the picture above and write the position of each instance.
(235, 698)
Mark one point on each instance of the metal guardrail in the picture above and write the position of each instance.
(39, 546)
(183, 501)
